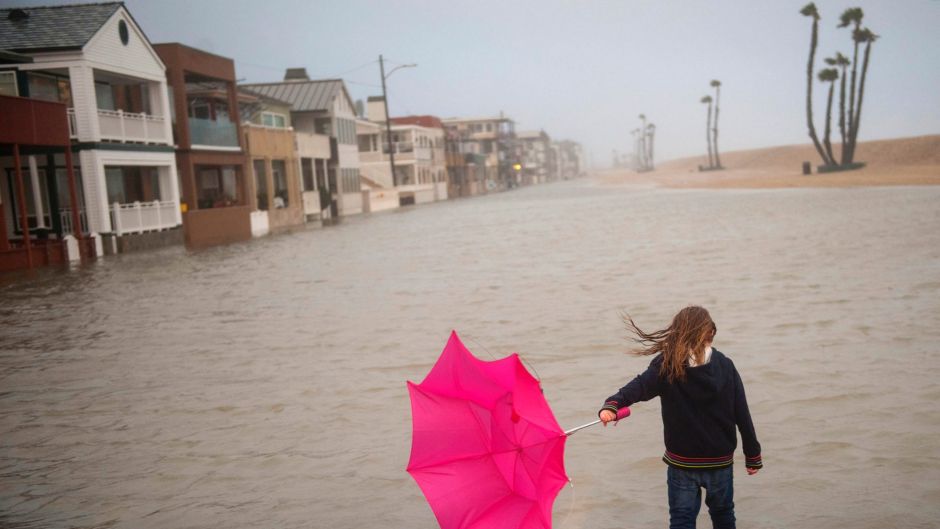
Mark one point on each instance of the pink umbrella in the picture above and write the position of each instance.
(486, 450)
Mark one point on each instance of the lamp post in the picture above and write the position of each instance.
(388, 122)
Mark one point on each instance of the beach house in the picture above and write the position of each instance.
(494, 139)
(270, 143)
(323, 107)
(94, 59)
(209, 145)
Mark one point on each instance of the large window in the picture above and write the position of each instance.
(49, 87)
(261, 185)
(217, 187)
(279, 175)
(127, 185)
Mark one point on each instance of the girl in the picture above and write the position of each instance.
(702, 400)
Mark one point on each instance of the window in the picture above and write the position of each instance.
(104, 95)
(216, 187)
(279, 176)
(261, 185)
(42, 86)
(127, 185)
(8, 84)
(271, 119)
(306, 169)
(365, 142)
(489, 127)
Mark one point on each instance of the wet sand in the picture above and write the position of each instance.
(905, 161)
(263, 384)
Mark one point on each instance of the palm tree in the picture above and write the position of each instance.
(651, 132)
(644, 163)
(863, 35)
(852, 15)
(809, 10)
(708, 130)
(829, 75)
(842, 62)
(717, 85)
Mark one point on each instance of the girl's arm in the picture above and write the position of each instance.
(742, 415)
(642, 388)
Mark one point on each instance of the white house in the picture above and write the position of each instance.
(96, 60)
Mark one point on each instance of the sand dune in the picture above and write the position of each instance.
(903, 161)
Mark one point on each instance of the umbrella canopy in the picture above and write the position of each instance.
(486, 450)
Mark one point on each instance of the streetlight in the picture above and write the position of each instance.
(388, 122)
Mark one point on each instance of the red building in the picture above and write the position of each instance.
(210, 152)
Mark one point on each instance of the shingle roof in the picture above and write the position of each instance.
(302, 95)
(53, 27)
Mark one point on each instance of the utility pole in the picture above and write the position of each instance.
(388, 124)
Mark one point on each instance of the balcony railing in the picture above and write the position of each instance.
(138, 217)
(118, 125)
(65, 217)
(213, 133)
(400, 147)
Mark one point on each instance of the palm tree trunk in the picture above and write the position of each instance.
(842, 112)
(853, 133)
(828, 130)
(715, 128)
(847, 153)
(651, 149)
(708, 136)
(809, 92)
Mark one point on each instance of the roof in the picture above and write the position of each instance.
(532, 134)
(244, 90)
(53, 27)
(431, 122)
(473, 120)
(303, 95)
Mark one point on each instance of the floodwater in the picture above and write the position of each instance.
(263, 384)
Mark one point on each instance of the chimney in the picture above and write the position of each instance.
(296, 74)
(375, 109)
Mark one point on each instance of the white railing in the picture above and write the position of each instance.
(142, 216)
(65, 217)
(118, 125)
(73, 127)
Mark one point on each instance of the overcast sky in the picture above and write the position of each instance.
(581, 70)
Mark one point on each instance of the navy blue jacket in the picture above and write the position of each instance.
(699, 414)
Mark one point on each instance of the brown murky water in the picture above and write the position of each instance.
(263, 384)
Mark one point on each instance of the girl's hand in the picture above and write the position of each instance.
(606, 416)
(752, 471)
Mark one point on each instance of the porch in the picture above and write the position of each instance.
(30, 234)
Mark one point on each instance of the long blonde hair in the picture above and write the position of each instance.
(688, 334)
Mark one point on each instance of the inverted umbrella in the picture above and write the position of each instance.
(486, 449)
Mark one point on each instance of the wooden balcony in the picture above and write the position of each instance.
(33, 122)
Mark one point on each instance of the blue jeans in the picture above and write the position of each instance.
(685, 497)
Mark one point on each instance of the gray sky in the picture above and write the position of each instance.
(581, 70)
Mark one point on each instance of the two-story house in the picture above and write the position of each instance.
(95, 59)
(210, 153)
(323, 107)
(271, 145)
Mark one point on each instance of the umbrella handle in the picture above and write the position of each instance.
(622, 413)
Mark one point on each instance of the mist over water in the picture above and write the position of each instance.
(263, 384)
